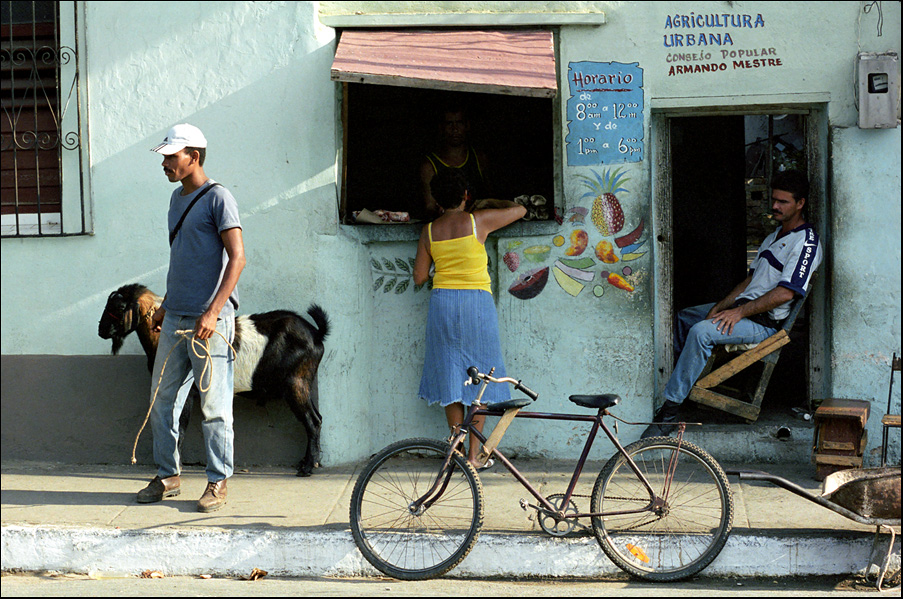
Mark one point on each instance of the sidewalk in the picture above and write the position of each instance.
(84, 519)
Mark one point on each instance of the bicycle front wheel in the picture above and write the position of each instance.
(678, 538)
(408, 543)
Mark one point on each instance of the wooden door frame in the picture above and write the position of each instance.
(816, 151)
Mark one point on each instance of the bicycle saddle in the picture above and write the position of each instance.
(507, 405)
(601, 402)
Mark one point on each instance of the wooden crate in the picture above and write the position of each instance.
(840, 435)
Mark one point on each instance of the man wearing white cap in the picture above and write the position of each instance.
(205, 261)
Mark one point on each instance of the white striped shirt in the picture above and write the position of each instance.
(787, 261)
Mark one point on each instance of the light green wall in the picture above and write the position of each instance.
(255, 78)
(865, 278)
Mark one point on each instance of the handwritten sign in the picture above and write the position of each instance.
(717, 43)
(605, 113)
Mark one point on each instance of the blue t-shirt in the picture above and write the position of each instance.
(198, 258)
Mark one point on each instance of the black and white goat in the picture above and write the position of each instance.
(278, 354)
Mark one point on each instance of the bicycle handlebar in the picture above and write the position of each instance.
(475, 376)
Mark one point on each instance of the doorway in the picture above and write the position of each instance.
(717, 183)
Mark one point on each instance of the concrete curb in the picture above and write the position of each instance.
(287, 552)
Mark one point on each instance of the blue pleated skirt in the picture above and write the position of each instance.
(462, 330)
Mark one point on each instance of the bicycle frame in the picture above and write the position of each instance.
(656, 502)
(661, 509)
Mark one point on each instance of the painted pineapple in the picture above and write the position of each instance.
(606, 213)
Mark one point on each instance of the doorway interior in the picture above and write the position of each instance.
(720, 169)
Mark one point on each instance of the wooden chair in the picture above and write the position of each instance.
(767, 351)
(889, 420)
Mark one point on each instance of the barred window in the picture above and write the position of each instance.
(41, 178)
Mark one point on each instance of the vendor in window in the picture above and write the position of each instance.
(454, 152)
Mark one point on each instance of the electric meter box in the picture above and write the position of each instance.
(878, 90)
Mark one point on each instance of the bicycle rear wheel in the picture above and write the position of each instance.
(681, 537)
(415, 544)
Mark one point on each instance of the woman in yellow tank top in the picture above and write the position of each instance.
(462, 324)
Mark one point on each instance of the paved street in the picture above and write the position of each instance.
(26, 585)
(85, 520)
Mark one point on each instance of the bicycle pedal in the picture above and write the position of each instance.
(523, 504)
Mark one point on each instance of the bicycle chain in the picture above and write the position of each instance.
(623, 498)
(571, 521)
(577, 523)
(637, 526)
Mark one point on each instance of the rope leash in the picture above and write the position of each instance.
(201, 349)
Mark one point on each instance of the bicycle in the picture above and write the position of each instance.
(661, 508)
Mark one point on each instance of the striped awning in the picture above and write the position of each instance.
(520, 63)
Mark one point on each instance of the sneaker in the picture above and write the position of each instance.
(159, 488)
(665, 421)
(214, 497)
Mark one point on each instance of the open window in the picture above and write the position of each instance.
(398, 83)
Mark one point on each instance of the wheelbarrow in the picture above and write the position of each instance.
(866, 495)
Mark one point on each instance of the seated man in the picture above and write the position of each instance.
(755, 308)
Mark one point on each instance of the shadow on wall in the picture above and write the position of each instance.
(88, 409)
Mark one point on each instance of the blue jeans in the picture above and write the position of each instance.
(694, 338)
(183, 368)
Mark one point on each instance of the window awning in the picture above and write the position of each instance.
(520, 63)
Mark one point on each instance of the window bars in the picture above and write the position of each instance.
(42, 151)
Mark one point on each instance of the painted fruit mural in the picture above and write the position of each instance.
(606, 213)
(564, 258)
(575, 270)
(511, 257)
(530, 284)
(579, 241)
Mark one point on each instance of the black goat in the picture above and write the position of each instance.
(278, 354)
